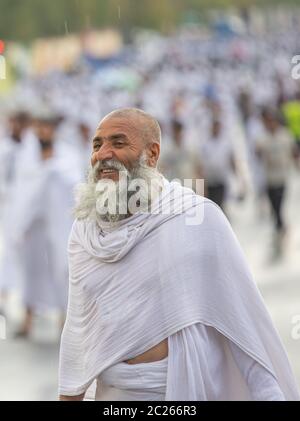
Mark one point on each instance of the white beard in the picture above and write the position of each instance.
(111, 201)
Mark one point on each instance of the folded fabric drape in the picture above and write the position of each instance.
(139, 281)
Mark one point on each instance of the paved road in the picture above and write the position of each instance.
(28, 370)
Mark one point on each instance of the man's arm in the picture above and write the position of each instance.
(261, 383)
(71, 398)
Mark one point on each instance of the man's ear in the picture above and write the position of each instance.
(153, 151)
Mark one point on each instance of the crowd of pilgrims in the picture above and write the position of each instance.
(229, 110)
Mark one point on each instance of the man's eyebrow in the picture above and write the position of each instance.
(110, 138)
(117, 136)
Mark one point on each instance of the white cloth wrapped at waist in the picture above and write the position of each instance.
(122, 381)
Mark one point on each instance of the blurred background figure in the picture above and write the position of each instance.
(40, 218)
(85, 135)
(276, 149)
(43, 220)
(18, 122)
(10, 159)
(253, 130)
(291, 112)
(218, 163)
(177, 161)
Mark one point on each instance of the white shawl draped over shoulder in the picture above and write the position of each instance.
(147, 277)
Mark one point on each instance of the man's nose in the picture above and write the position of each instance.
(104, 153)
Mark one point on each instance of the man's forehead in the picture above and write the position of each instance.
(111, 123)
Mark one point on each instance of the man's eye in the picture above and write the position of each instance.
(119, 143)
(96, 146)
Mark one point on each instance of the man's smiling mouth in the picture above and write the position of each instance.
(105, 172)
(108, 170)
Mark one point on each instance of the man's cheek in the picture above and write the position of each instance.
(94, 158)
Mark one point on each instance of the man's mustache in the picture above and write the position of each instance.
(110, 164)
(114, 164)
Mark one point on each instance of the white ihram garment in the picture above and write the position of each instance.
(149, 277)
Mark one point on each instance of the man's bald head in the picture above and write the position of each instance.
(144, 123)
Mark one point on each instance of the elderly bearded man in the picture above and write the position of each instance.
(160, 308)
